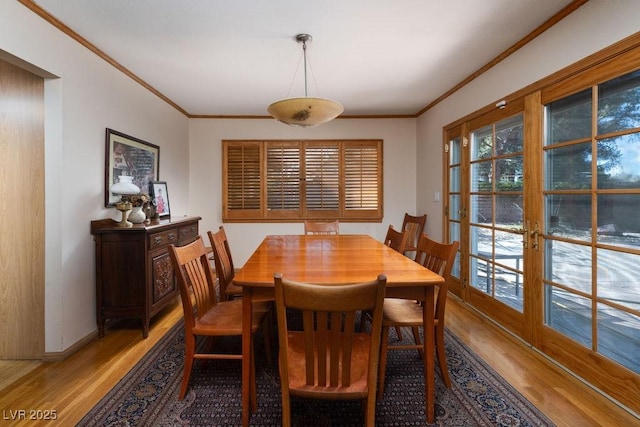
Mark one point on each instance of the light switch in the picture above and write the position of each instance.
(436, 196)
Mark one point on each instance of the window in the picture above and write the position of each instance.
(295, 180)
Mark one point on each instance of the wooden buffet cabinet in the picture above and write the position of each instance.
(134, 274)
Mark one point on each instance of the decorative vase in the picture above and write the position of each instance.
(137, 215)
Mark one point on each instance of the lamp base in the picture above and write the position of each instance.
(125, 208)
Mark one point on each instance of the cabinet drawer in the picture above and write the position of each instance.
(188, 234)
(164, 238)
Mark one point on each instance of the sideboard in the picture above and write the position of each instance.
(134, 273)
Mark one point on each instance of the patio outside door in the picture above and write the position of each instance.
(544, 198)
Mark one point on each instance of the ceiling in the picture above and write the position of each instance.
(235, 57)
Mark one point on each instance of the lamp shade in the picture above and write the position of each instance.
(305, 112)
(125, 186)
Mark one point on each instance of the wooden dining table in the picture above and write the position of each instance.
(326, 259)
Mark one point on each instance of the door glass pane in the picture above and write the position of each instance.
(481, 241)
(618, 162)
(618, 279)
(454, 179)
(508, 257)
(454, 231)
(509, 287)
(509, 211)
(481, 176)
(619, 336)
(569, 216)
(618, 101)
(568, 167)
(569, 265)
(618, 220)
(481, 270)
(509, 137)
(482, 209)
(509, 173)
(569, 314)
(454, 208)
(454, 151)
(569, 118)
(482, 143)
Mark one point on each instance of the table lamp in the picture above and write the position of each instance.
(124, 187)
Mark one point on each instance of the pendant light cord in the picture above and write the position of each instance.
(304, 51)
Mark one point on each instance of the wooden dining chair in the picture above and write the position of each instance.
(414, 226)
(328, 359)
(437, 257)
(204, 316)
(321, 227)
(396, 240)
(223, 261)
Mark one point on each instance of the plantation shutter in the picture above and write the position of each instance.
(322, 179)
(242, 176)
(362, 179)
(283, 179)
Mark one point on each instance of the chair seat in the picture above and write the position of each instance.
(225, 318)
(402, 312)
(297, 374)
(233, 289)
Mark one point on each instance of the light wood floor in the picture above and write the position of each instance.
(72, 387)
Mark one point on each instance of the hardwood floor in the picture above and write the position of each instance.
(73, 386)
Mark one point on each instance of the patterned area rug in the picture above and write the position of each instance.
(147, 395)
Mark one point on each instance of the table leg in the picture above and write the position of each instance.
(429, 349)
(246, 355)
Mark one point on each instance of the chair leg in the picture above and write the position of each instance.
(370, 411)
(286, 408)
(399, 333)
(253, 393)
(190, 345)
(382, 365)
(416, 339)
(442, 359)
(267, 336)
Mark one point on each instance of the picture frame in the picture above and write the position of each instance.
(127, 155)
(160, 197)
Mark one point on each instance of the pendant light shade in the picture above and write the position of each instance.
(305, 111)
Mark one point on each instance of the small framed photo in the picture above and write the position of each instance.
(130, 156)
(160, 196)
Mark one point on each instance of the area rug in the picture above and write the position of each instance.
(147, 395)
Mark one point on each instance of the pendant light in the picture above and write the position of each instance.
(306, 111)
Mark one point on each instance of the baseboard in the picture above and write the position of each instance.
(61, 355)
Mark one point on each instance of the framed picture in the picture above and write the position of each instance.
(160, 196)
(129, 156)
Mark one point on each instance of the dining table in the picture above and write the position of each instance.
(334, 259)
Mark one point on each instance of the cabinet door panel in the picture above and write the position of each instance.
(123, 281)
(163, 279)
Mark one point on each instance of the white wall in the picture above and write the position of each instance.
(594, 26)
(205, 136)
(88, 97)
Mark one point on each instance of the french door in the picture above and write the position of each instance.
(544, 197)
(486, 212)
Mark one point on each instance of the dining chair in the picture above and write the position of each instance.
(327, 358)
(396, 240)
(414, 226)
(223, 261)
(321, 227)
(437, 257)
(204, 316)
